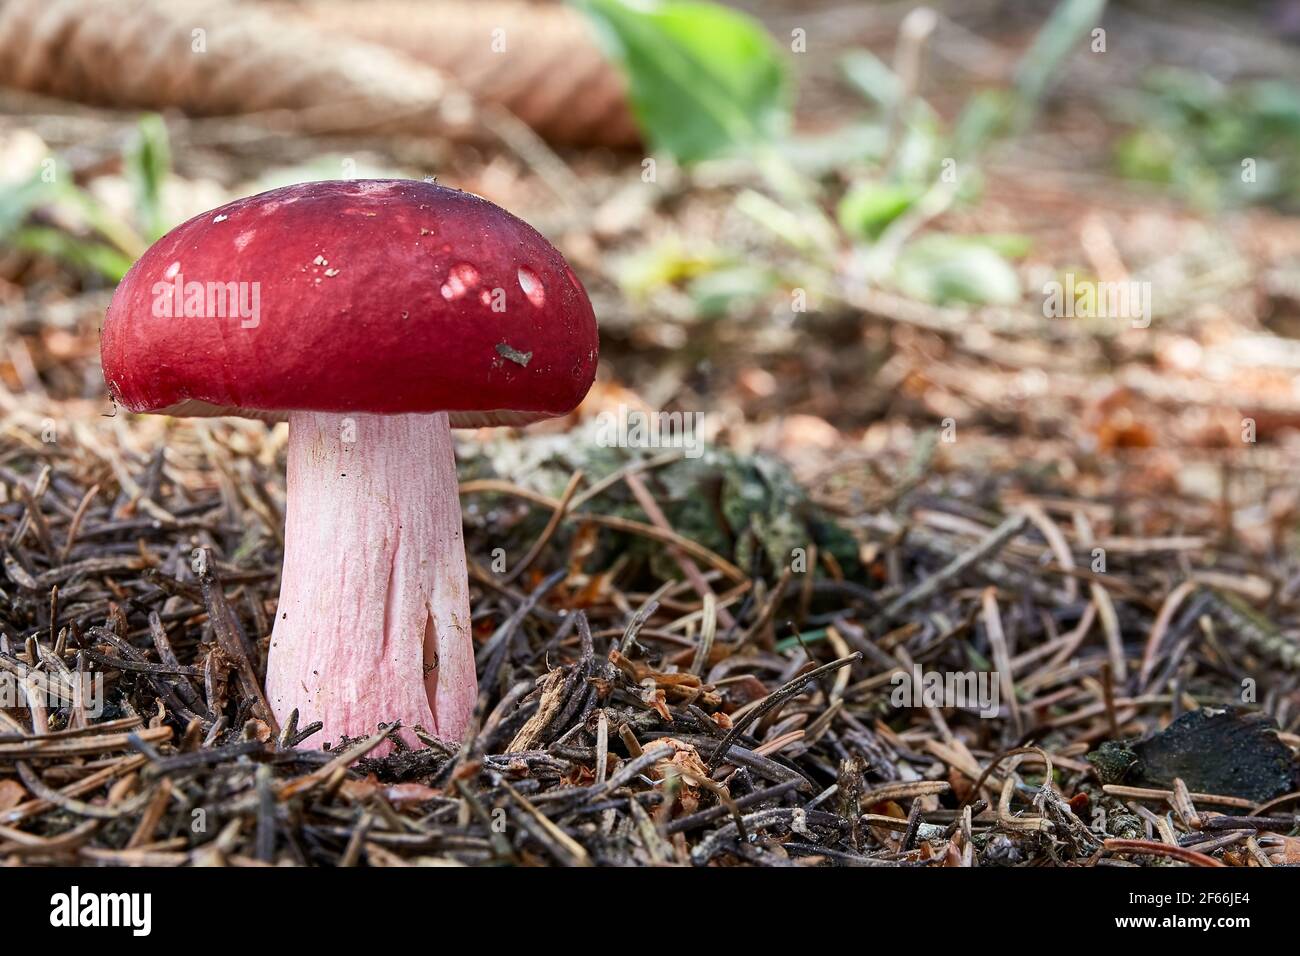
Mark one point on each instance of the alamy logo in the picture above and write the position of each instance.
(1098, 300)
(633, 428)
(82, 690)
(73, 909)
(174, 298)
(974, 689)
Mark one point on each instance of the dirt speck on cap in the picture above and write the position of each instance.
(514, 355)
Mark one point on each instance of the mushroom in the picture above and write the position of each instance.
(375, 315)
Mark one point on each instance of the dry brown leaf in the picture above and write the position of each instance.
(141, 53)
(543, 65)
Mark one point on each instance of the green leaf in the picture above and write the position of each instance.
(806, 229)
(1147, 154)
(820, 154)
(871, 77)
(1040, 67)
(991, 114)
(704, 80)
(1277, 102)
(716, 292)
(96, 215)
(17, 200)
(148, 163)
(985, 117)
(81, 253)
(668, 263)
(868, 208)
(946, 269)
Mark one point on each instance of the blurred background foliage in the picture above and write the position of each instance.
(1192, 133)
(710, 85)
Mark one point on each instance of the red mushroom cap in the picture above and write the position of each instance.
(384, 295)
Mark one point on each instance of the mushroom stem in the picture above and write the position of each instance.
(373, 622)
